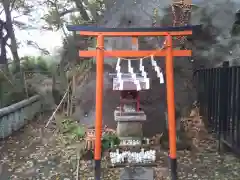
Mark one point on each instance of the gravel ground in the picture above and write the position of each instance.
(37, 153)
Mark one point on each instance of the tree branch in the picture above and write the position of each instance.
(68, 11)
(60, 23)
(8, 45)
(35, 45)
(1, 11)
(12, 5)
(51, 2)
(17, 16)
(82, 10)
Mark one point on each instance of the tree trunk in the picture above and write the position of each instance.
(10, 30)
(3, 42)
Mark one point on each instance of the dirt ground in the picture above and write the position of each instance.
(35, 153)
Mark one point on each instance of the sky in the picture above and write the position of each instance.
(45, 39)
(49, 40)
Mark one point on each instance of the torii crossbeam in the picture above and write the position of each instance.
(168, 52)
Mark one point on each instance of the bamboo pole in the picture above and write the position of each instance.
(59, 105)
(73, 93)
(25, 84)
(68, 102)
(78, 164)
(61, 102)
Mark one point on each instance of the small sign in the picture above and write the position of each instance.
(130, 142)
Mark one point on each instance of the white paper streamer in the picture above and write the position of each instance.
(158, 70)
(119, 74)
(118, 67)
(141, 67)
(144, 74)
(161, 78)
(134, 76)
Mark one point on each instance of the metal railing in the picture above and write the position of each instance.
(218, 92)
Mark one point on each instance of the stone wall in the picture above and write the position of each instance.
(14, 117)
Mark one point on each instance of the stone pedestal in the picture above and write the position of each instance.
(129, 125)
(129, 129)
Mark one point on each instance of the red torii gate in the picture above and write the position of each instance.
(168, 52)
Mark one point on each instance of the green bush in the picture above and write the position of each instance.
(35, 64)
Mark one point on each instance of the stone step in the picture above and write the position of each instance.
(137, 173)
(123, 165)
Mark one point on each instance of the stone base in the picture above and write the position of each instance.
(137, 173)
(129, 129)
(129, 116)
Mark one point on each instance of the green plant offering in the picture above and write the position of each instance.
(110, 140)
(71, 129)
